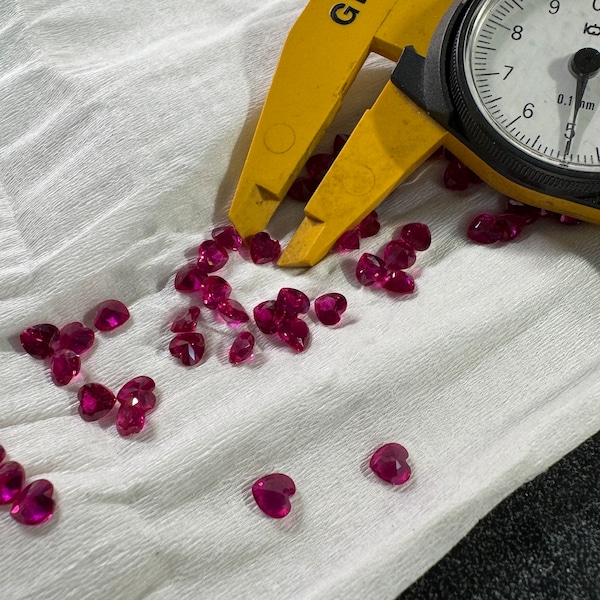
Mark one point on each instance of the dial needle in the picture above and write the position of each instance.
(584, 64)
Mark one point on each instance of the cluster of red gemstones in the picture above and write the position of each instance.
(31, 505)
(508, 225)
(281, 316)
(64, 348)
(350, 240)
(272, 492)
(389, 271)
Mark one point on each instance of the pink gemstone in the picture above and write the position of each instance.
(272, 494)
(264, 249)
(189, 279)
(227, 237)
(302, 189)
(330, 307)
(510, 226)
(138, 392)
(294, 332)
(39, 340)
(291, 303)
(95, 401)
(566, 220)
(317, 165)
(12, 477)
(233, 312)
(186, 321)
(214, 291)
(211, 256)
(34, 504)
(348, 241)
(242, 347)
(529, 213)
(110, 314)
(483, 229)
(369, 226)
(130, 419)
(2, 453)
(417, 235)
(76, 337)
(370, 269)
(399, 255)
(188, 348)
(389, 463)
(64, 366)
(339, 142)
(265, 316)
(399, 282)
(457, 176)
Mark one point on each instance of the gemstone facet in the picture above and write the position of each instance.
(188, 348)
(389, 463)
(398, 254)
(186, 321)
(189, 279)
(294, 332)
(417, 235)
(272, 494)
(76, 337)
(264, 249)
(139, 391)
(292, 302)
(370, 269)
(64, 366)
(39, 341)
(34, 505)
(369, 226)
(350, 240)
(232, 312)
(399, 282)
(483, 229)
(130, 419)
(211, 256)
(330, 307)
(215, 290)
(12, 477)
(110, 314)
(265, 316)
(227, 237)
(242, 347)
(95, 401)
(457, 176)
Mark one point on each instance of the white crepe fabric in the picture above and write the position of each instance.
(123, 131)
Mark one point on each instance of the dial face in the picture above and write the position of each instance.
(532, 70)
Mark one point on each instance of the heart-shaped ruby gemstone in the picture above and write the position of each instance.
(389, 463)
(272, 494)
(34, 505)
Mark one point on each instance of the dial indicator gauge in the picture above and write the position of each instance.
(531, 67)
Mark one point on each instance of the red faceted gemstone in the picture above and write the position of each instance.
(186, 321)
(389, 463)
(566, 220)
(339, 142)
(34, 505)
(188, 348)
(302, 189)
(110, 314)
(330, 307)
(214, 291)
(227, 237)
(76, 337)
(242, 347)
(232, 312)
(64, 366)
(370, 269)
(2, 453)
(264, 249)
(417, 235)
(265, 316)
(189, 279)
(272, 494)
(12, 477)
(294, 332)
(350, 240)
(130, 419)
(39, 341)
(369, 226)
(291, 303)
(399, 255)
(457, 176)
(484, 229)
(510, 226)
(529, 213)
(399, 282)
(95, 401)
(138, 392)
(317, 165)
(211, 256)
